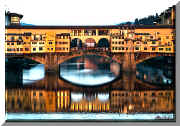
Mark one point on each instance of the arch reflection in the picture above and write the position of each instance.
(33, 100)
(89, 70)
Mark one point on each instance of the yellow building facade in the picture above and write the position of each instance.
(161, 40)
(62, 39)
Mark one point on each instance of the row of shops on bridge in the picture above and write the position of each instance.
(45, 41)
(63, 39)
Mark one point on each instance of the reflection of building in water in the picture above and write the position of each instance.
(18, 100)
(89, 64)
(38, 100)
(43, 101)
(82, 103)
(115, 68)
(142, 101)
(154, 75)
(31, 100)
(63, 100)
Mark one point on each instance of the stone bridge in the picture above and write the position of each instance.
(52, 60)
(140, 57)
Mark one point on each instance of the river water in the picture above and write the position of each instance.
(90, 87)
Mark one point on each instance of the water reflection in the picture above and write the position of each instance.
(30, 100)
(76, 97)
(89, 70)
(155, 74)
(21, 72)
(35, 73)
(37, 91)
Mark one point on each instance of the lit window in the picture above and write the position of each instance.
(12, 38)
(26, 49)
(137, 48)
(168, 49)
(160, 49)
(153, 42)
(153, 49)
(40, 37)
(34, 43)
(40, 48)
(15, 19)
(169, 43)
(8, 49)
(20, 38)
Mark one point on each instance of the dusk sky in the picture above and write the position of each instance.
(85, 12)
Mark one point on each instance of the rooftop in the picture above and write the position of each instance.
(13, 14)
(92, 27)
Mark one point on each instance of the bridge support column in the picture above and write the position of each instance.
(51, 63)
(129, 63)
(129, 80)
(52, 68)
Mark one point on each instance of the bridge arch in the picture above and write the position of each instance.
(143, 57)
(38, 59)
(76, 42)
(103, 43)
(24, 60)
(65, 58)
